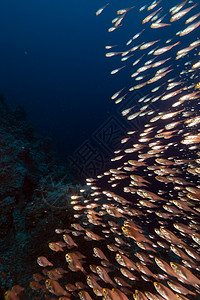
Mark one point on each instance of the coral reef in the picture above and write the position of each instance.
(27, 170)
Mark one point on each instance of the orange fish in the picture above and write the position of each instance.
(55, 288)
(43, 261)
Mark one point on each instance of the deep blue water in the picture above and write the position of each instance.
(53, 62)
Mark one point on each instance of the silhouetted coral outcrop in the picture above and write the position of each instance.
(26, 162)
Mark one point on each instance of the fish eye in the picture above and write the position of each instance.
(67, 257)
(47, 282)
(172, 265)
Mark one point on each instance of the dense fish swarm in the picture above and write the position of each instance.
(135, 229)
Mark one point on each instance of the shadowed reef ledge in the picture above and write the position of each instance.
(30, 174)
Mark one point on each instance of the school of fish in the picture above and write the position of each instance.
(135, 229)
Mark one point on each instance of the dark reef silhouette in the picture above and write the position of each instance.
(29, 172)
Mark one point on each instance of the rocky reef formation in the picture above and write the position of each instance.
(29, 176)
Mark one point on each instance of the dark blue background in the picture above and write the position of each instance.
(52, 61)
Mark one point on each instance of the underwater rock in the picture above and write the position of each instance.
(26, 160)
